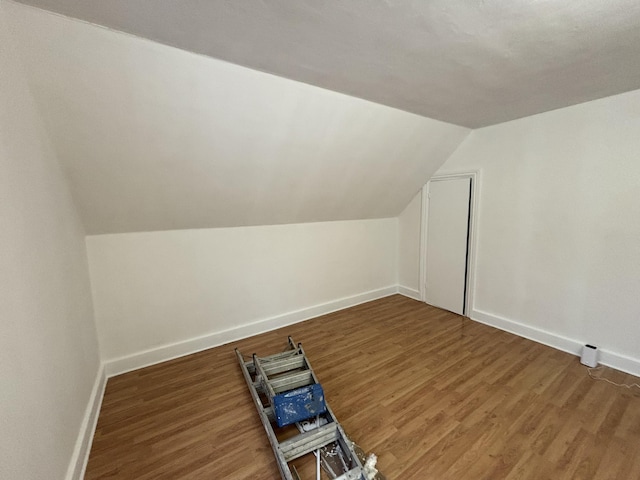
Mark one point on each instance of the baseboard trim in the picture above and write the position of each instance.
(163, 353)
(409, 292)
(559, 342)
(537, 335)
(620, 362)
(80, 457)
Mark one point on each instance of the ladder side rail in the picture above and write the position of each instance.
(342, 435)
(344, 441)
(285, 471)
(264, 379)
(332, 417)
(306, 359)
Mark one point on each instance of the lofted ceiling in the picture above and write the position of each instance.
(156, 138)
(471, 63)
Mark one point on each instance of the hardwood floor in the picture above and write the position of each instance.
(434, 395)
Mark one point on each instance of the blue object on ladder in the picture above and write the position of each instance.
(299, 404)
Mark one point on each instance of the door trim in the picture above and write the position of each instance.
(473, 224)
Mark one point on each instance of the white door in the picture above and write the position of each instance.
(447, 243)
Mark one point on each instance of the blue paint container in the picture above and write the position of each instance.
(299, 404)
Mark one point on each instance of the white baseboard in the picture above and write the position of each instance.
(620, 362)
(608, 358)
(537, 335)
(78, 463)
(163, 353)
(409, 292)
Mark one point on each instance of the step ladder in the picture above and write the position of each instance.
(286, 392)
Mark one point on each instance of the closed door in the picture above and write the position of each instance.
(447, 243)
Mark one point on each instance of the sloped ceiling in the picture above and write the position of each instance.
(471, 63)
(156, 138)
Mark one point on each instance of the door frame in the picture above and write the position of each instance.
(473, 227)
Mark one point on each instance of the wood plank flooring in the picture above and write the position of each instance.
(434, 395)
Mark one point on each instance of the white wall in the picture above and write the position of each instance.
(156, 138)
(409, 247)
(210, 286)
(48, 349)
(559, 225)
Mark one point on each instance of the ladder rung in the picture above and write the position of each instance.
(268, 411)
(308, 442)
(353, 474)
(291, 381)
(276, 356)
(272, 367)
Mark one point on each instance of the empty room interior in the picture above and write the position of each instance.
(437, 202)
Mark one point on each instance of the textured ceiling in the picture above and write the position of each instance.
(472, 63)
(155, 138)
